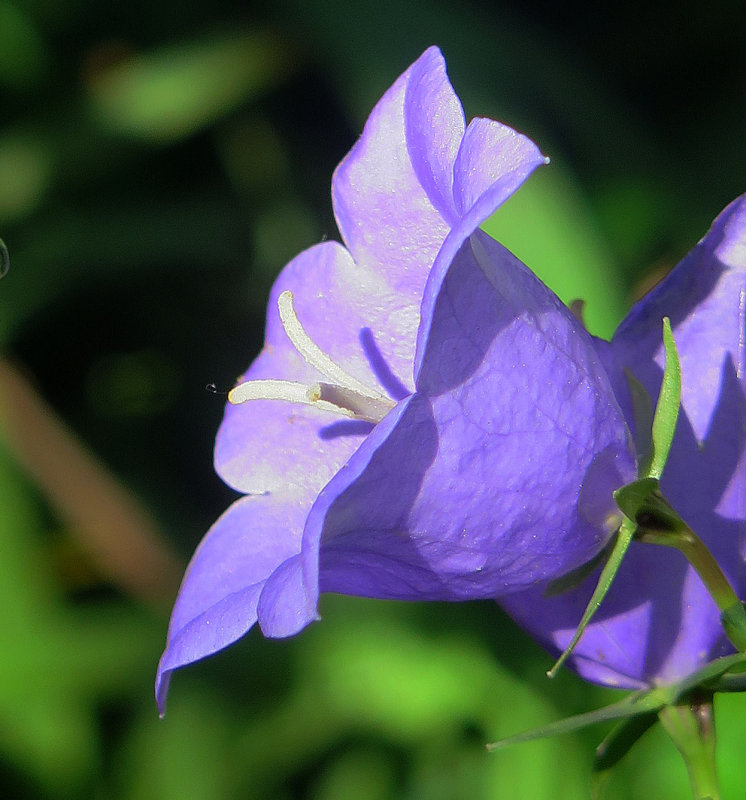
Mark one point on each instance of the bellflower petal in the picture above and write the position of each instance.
(220, 594)
(658, 623)
(295, 448)
(421, 394)
(386, 194)
(433, 150)
(705, 297)
(492, 162)
(511, 396)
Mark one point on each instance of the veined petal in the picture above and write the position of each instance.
(271, 445)
(514, 443)
(656, 625)
(493, 161)
(659, 624)
(434, 126)
(218, 598)
(705, 297)
(385, 216)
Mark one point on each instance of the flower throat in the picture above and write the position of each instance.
(343, 395)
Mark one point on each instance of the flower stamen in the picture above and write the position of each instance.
(311, 352)
(362, 406)
(345, 394)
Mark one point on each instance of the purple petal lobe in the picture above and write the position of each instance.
(217, 601)
(280, 446)
(385, 216)
(492, 163)
(498, 473)
(493, 159)
(705, 297)
(434, 127)
(286, 604)
(414, 187)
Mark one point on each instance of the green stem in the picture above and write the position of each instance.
(659, 524)
(691, 726)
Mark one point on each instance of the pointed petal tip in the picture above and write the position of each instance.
(162, 683)
(217, 603)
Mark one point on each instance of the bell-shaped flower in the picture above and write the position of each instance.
(658, 624)
(426, 420)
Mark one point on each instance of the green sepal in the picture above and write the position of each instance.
(734, 681)
(632, 498)
(667, 409)
(622, 542)
(645, 701)
(664, 426)
(575, 577)
(623, 736)
(733, 620)
(710, 675)
(642, 413)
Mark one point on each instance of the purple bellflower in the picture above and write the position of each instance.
(426, 420)
(658, 624)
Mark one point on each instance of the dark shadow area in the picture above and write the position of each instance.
(346, 427)
(395, 388)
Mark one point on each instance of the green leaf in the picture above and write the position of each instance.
(667, 410)
(615, 746)
(646, 701)
(643, 702)
(624, 537)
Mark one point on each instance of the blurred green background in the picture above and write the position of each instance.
(159, 163)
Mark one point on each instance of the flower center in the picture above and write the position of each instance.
(343, 395)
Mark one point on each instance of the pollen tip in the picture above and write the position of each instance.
(234, 396)
(314, 393)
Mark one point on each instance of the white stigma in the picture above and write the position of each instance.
(344, 395)
(310, 351)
